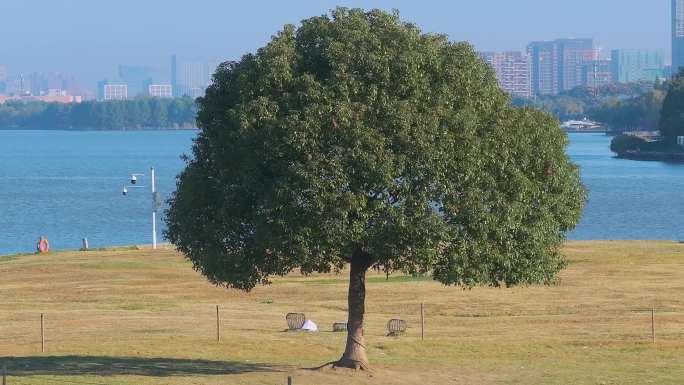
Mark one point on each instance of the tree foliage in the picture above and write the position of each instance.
(621, 107)
(640, 113)
(623, 143)
(672, 114)
(126, 114)
(356, 136)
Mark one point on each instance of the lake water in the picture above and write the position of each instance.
(627, 199)
(67, 185)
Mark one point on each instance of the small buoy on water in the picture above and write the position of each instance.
(124, 191)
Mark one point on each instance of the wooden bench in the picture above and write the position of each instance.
(396, 327)
(295, 321)
(339, 326)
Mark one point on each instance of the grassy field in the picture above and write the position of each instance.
(143, 317)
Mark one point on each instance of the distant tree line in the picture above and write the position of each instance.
(640, 113)
(621, 107)
(142, 113)
(670, 104)
(672, 113)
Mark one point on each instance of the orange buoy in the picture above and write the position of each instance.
(43, 245)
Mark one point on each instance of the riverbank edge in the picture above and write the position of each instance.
(141, 247)
(99, 129)
(169, 246)
(652, 156)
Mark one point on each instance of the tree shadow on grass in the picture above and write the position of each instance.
(131, 366)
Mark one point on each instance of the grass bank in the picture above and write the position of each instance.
(143, 317)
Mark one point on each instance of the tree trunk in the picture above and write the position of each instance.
(354, 356)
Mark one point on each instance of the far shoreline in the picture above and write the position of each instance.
(99, 129)
(652, 156)
(168, 246)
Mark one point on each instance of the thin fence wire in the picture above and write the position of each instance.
(19, 380)
(61, 329)
(588, 325)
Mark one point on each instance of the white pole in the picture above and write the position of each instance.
(152, 172)
(154, 214)
(154, 230)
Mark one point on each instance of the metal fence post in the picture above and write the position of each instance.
(42, 334)
(422, 321)
(653, 324)
(218, 325)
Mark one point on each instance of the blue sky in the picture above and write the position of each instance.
(90, 38)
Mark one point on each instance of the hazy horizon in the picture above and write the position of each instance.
(91, 39)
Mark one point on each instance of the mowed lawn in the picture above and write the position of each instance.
(144, 317)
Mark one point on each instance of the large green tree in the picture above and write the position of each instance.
(357, 140)
(672, 114)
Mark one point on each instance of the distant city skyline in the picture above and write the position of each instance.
(91, 39)
(677, 14)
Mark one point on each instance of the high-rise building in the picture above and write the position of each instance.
(39, 84)
(574, 54)
(160, 90)
(136, 77)
(194, 79)
(544, 62)
(100, 88)
(212, 66)
(58, 97)
(114, 91)
(677, 35)
(633, 65)
(174, 75)
(3, 79)
(559, 65)
(596, 74)
(513, 71)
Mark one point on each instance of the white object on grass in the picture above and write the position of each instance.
(309, 326)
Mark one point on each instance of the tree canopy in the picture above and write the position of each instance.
(357, 139)
(639, 113)
(672, 113)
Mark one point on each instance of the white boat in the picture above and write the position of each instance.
(581, 125)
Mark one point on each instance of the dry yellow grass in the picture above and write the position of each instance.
(143, 317)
